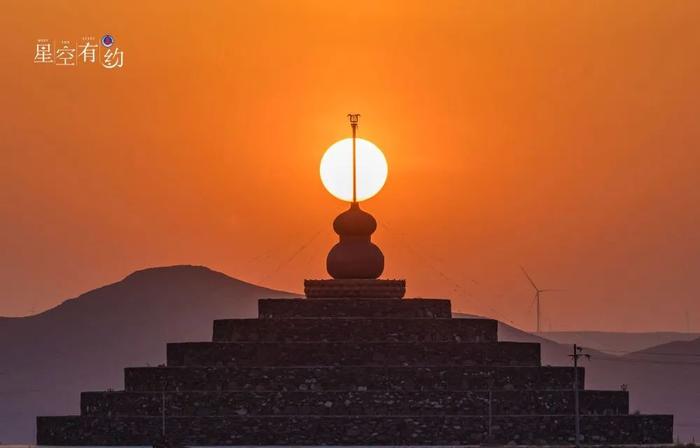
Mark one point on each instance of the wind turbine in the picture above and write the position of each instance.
(538, 292)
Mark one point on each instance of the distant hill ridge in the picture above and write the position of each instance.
(618, 342)
(85, 342)
(686, 351)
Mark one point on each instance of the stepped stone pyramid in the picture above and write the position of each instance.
(353, 363)
(352, 372)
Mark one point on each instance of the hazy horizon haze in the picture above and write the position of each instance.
(557, 136)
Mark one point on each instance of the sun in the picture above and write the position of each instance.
(336, 169)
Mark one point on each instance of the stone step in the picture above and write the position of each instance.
(351, 353)
(349, 378)
(341, 430)
(371, 308)
(357, 288)
(295, 403)
(355, 330)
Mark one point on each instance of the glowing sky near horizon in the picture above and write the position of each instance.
(555, 135)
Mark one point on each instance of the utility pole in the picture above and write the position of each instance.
(578, 352)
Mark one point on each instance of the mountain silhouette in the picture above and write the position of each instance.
(675, 349)
(46, 360)
(617, 342)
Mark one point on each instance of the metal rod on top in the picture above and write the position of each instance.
(354, 118)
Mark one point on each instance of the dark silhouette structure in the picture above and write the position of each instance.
(353, 372)
(355, 256)
(354, 363)
(355, 263)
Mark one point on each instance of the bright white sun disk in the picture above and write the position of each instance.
(336, 169)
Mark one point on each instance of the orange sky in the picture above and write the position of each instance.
(558, 135)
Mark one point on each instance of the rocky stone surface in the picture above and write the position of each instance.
(393, 402)
(353, 372)
(354, 288)
(353, 353)
(349, 378)
(359, 430)
(356, 330)
(368, 308)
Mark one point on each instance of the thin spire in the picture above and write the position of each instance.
(354, 118)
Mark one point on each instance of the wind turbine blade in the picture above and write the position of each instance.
(529, 278)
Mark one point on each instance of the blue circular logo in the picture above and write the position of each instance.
(107, 40)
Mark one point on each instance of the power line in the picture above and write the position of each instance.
(430, 263)
(286, 261)
(427, 261)
(263, 257)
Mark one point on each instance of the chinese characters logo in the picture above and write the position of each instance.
(66, 53)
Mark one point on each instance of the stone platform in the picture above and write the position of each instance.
(355, 330)
(350, 378)
(365, 308)
(353, 372)
(323, 430)
(349, 403)
(354, 288)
